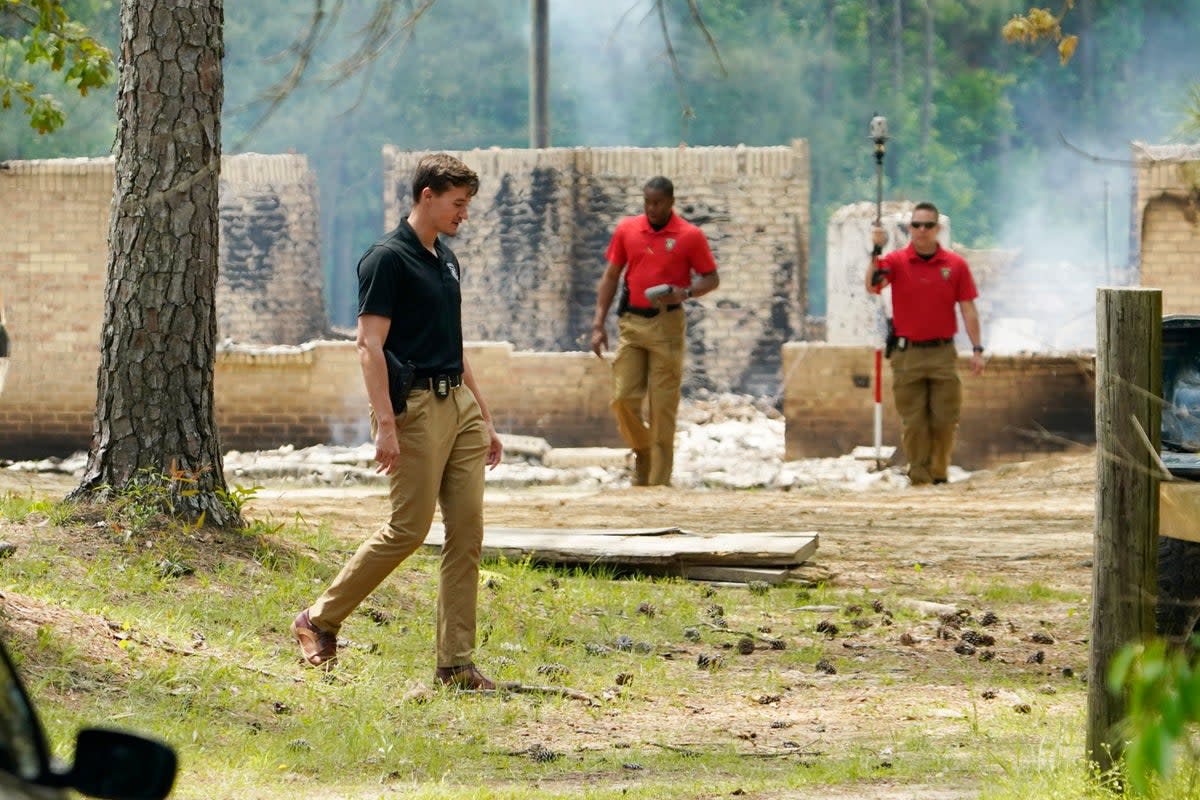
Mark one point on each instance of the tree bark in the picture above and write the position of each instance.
(927, 96)
(892, 165)
(898, 49)
(873, 36)
(154, 408)
(1087, 58)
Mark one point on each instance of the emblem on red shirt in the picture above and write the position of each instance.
(670, 245)
(945, 273)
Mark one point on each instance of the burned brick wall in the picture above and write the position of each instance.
(1166, 222)
(1020, 407)
(269, 286)
(534, 247)
(53, 276)
(522, 277)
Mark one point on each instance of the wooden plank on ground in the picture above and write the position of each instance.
(589, 546)
(774, 576)
(866, 452)
(491, 530)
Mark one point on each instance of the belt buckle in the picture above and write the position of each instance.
(441, 386)
(902, 343)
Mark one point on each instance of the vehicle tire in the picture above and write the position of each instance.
(1178, 605)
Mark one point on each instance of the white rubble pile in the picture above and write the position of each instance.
(722, 441)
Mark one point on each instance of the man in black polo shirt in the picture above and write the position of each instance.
(435, 450)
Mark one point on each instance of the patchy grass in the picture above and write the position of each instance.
(835, 691)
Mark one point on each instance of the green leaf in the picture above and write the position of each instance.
(45, 114)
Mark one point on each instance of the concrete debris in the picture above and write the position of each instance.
(722, 442)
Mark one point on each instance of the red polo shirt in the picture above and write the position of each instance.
(652, 257)
(926, 291)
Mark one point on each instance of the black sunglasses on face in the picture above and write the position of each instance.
(925, 225)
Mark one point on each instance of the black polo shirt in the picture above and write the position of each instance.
(419, 292)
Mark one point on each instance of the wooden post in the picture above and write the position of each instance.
(1124, 569)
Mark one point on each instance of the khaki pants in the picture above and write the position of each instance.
(649, 363)
(443, 450)
(928, 396)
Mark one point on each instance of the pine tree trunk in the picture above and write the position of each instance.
(927, 93)
(154, 406)
(892, 165)
(873, 36)
(898, 49)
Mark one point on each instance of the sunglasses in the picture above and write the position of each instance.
(926, 225)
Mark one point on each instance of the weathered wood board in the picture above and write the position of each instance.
(866, 452)
(644, 548)
(774, 576)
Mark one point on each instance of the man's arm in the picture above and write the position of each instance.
(606, 290)
(372, 333)
(495, 447)
(876, 278)
(970, 316)
(700, 287)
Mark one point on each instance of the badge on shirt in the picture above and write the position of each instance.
(945, 273)
(450, 265)
(670, 245)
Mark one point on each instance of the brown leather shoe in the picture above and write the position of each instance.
(465, 676)
(318, 647)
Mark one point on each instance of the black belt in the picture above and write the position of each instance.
(930, 342)
(650, 313)
(431, 382)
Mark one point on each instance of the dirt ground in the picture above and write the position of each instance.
(1020, 524)
(1034, 518)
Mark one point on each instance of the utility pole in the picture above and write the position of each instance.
(539, 69)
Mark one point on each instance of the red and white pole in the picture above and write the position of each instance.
(878, 408)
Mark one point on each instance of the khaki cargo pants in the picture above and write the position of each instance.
(443, 451)
(928, 396)
(649, 364)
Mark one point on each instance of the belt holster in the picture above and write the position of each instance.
(892, 342)
(400, 381)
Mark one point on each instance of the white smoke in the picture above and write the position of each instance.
(601, 52)
(1071, 208)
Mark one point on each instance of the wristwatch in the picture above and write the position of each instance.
(977, 348)
(688, 291)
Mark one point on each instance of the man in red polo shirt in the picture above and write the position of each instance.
(653, 249)
(927, 281)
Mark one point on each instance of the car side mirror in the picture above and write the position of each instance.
(115, 765)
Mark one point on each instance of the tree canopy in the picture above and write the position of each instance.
(42, 40)
(978, 123)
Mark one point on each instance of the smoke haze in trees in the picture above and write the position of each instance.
(1069, 205)
(796, 68)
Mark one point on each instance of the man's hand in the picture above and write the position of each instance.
(678, 295)
(599, 340)
(977, 363)
(495, 447)
(879, 236)
(387, 449)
